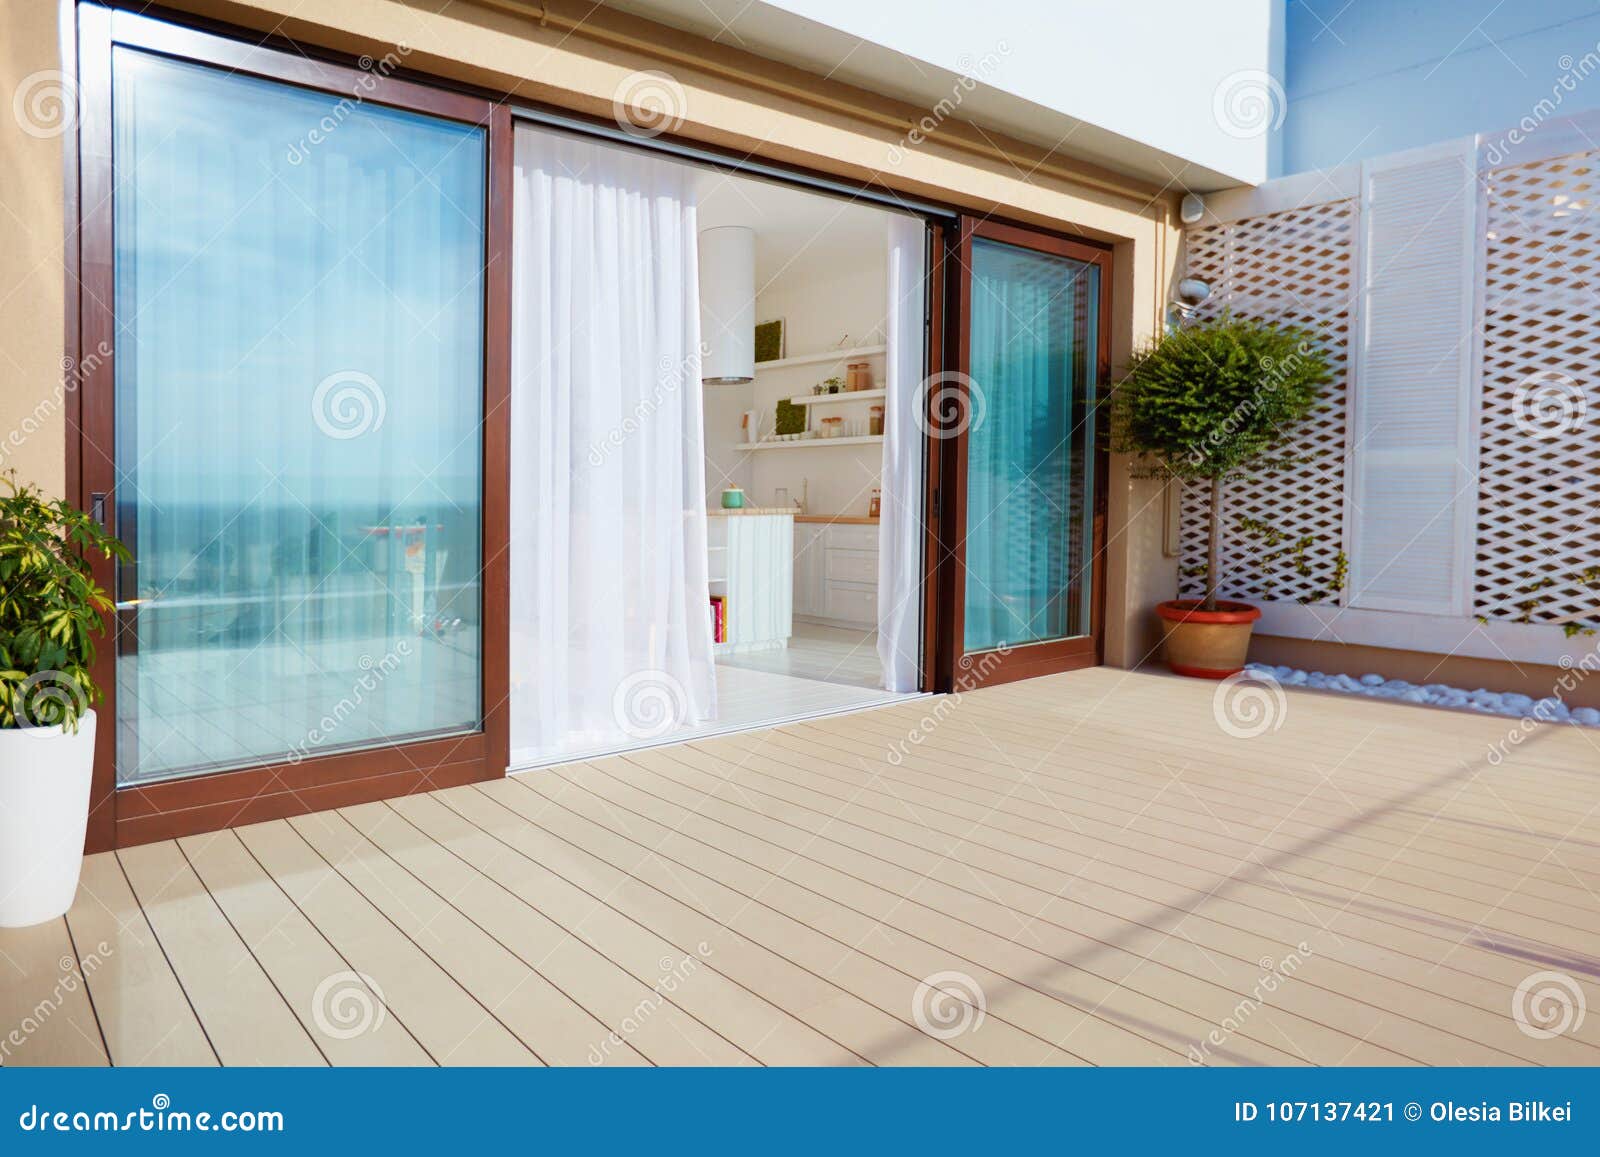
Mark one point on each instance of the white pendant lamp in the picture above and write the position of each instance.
(728, 304)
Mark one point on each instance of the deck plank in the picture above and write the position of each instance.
(1164, 868)
(669, 1036)
(1108, 873)
(44, 1001)
(987, 842)
(443, 1016)
(303, 965)
(144, 1015)
(990, 941)
(245, 1016)
(546, 1020)
(1127, 765)
(1501, 898)
(806, 936)
(948, 864)
(829, 1007)
(1445, 797)
(483, 833)
(860, 918)
(1148, 844)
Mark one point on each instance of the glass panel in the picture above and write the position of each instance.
(1030, 446)
(299, 375)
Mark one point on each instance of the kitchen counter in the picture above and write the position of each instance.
(837, 519)
(719, 512)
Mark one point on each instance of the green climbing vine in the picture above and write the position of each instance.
(1536, 598)
(1282, 551)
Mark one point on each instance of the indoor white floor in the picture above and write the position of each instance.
(830, 654)
(823, 671)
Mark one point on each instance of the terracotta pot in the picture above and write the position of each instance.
(1206, 644)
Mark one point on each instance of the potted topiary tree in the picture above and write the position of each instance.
(1210, 402)
(50, 611)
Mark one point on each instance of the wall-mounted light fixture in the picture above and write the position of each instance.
(1187, 297)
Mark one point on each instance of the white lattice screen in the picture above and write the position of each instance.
(1539, 458)
(1296, 266)
(1536, 559)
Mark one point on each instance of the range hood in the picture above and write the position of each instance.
(728, 304)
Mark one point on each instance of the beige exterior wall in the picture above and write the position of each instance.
(580, 60)
(37, 100)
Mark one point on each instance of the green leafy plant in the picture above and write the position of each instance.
(50, 608)
(1218, 400)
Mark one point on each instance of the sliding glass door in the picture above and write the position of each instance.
(1028, 468)
(291, 436)
(297, 410)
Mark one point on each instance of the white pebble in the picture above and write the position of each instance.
(1549, 709)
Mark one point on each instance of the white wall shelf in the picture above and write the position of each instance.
(865, 351)
(803, 443)
(838, 399)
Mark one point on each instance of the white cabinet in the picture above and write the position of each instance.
(851, 604)
(847, 564)
(809, 559)
(836, 574)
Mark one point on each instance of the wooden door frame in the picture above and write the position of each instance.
(934, 612)
(222, 799)
(954, 668)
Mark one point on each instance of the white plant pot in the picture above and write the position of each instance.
(44, 811)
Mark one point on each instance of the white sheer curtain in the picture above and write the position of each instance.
(904, 442)
(610, 631)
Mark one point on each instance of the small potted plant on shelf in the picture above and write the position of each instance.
(1214, 401)
(50, 611)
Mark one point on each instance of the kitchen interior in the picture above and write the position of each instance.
(794, 295)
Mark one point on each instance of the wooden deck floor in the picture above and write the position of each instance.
(1082, 869)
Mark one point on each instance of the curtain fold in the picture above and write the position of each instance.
(904, 448)
(1019, 453)
(610, 630)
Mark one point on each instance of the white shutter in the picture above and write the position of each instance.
(1412, 497)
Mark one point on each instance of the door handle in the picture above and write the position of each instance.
(97, 508)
